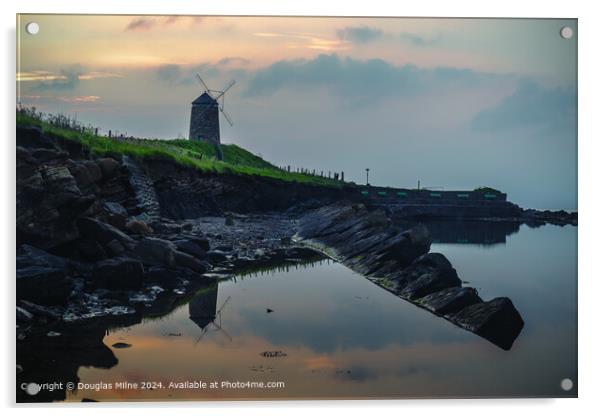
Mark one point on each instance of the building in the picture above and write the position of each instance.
(204, 119)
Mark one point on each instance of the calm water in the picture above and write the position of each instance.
(343, 336)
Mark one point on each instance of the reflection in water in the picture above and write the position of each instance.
(343, 336)
(468, 232)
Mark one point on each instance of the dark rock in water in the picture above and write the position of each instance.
(428, 283)
(121, 345)
(268, 310)
(450, 300)
(273, 354)
(497, 321)
(104, 233)
(398, 260)
(225, 247)
(191, 247)
(118, 273)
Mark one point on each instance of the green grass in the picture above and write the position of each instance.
(198, 155)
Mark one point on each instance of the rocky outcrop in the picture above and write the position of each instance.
(399, 260)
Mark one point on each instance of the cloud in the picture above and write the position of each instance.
(141, 23)
(233, 60)
(170, 73)
(67, 79)
(531, 105)
(359, 81)
(418, 40)
(359, 34)
(147, 23)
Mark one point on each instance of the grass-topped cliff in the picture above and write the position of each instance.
(199, 155)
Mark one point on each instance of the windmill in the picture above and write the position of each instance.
(204, 115)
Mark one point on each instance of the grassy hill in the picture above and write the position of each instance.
(198, 155)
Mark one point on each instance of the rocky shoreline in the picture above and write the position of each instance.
(399, 261)
(105, 241)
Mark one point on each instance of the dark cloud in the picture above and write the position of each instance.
(172, 74)
(141, 23)
(68, 80)
(147, 23)
(359, 81)
(359, 34)
(233, 60)
(418, 40)
(531, 105)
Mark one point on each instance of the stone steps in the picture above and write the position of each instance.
(144, 188)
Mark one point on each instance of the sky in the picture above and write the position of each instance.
(452, 103)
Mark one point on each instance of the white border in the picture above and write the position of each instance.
(589, 192)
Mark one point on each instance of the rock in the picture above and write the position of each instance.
(23, 316)
(433, 281)
(47, 155)
(225, 247)
(366, 241)
(189, 262)
(115, 214)
(91, 250)
(228, 220)
(108, 166)
(45, 285)
(115, 248)
(138, 227)
(155, 251)
(94, 172)
(102, 232)
(53, 314)
(32, 137)
(216, 257)
(118, 273)
(202, 242)
(450, 300)
(120, 345)
(192, 248)
(496, 320)
(42, 277)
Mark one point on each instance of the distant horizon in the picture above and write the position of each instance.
(458, 103)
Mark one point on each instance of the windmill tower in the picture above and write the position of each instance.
(204, 115)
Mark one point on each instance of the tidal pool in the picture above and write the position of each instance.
(323, 331)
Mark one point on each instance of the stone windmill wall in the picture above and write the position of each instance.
(204, 120)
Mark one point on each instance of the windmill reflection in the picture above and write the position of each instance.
(204, 313)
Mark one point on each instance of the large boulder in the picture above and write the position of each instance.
(108, 166)
(48, 201)
(136, 226)
(496, 320)
(189, 262)
(192, 248)
(154, 251)
(42, 277)
(115, 214)
(104, 233)
(118, 273)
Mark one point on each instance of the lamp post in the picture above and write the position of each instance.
(367, 176)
